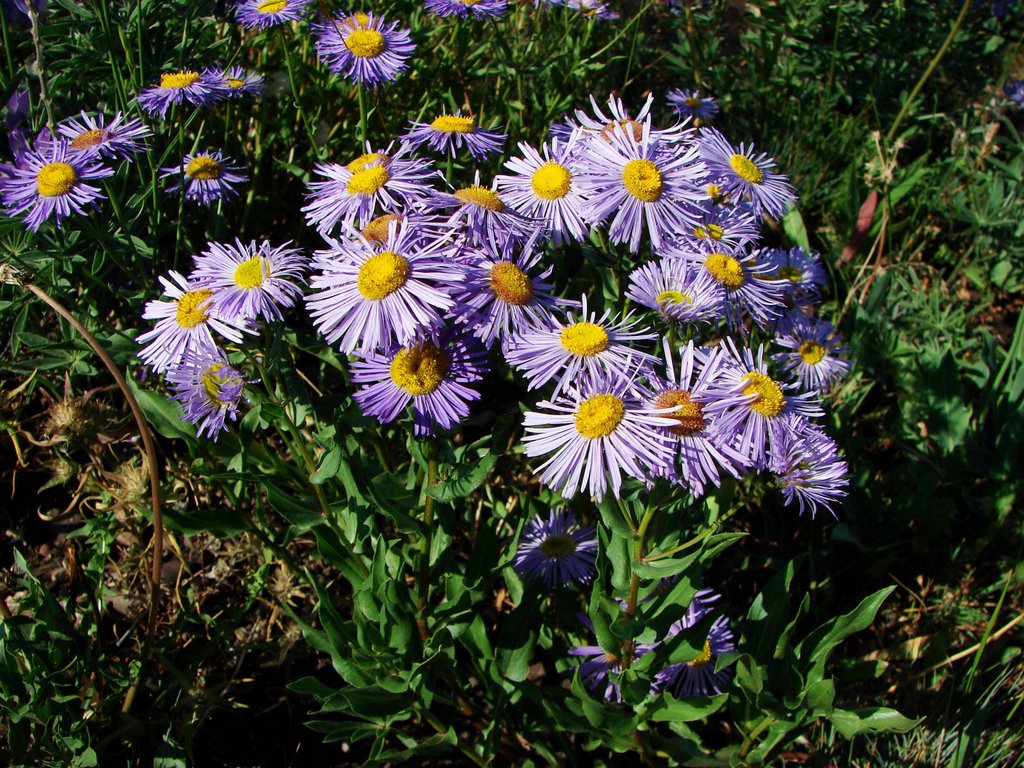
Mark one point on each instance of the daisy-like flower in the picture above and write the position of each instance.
(814, 354)
(499, 296)
(373, 182)
(234, 81)
(251, 281)
(748, 287)
(592, 9)
(748, 401)
(482, 214)
(122, 137)
(602, 125)
(545, 189)
(556, 551)
(363, 47)
(677, 290)
(700, 447)
(1014, 90)
(183, 325)
(601, 668)
(719, 229)
(448, 133)
(209, 390)
(688, 103)
(744, 175)
(367, 297)
(186, 86)
(594, 433)
(431, 373)
(588, 346)
(641, 185)
(698, 677)
(259, 14)
(208, 177)
(802, 273)
(480, 9)
(807, 465)
(53, 181)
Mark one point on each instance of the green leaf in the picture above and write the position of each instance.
(667, 708)
(330, 465)
(819, 644)
(796, 231)
(769, 613)
(459, 481)
(163, 414)
(871, 720)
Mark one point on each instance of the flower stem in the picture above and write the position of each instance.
(748, 742)
(423, 579)
(44, 90)
(362, 114)
(295, 91)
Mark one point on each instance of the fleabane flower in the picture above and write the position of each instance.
(182, 87)
(432, 374)
(815, 354)
(592, 435)
(600, 667)
(589, 346)
(209, 389)
(744, 175)
(368, 296)
(545, 188)
(749, 288)
(640, 185)
(207, 177)
(719, 229)
(678, 290)
(482, 215)
(688, 103)
(479, 9)
(448, 133)
(556, 550)
(183, 324)
(802, 273)
(52, 182)
(807, 465)
(259, 14)
(363, 47)
(601, 125)
(249, 281)
(122, 137)
(234, 81)
(698, 676)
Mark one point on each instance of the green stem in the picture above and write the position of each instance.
(179, 114)
(423, 580)
(295, 91)
(7, 46)
(748, 742)
(691, 39)
(362, 114)
(44, 89)
(932, 65)
(638, 557)
(691, 542)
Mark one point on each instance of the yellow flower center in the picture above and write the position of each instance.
(673, 297)
(368, 160)
(252, 272)
(510, 283)
(453, 124)
(192, 308)
(691, 102)
(551, 181)
(689, 414)
(812, 352)
(419, 370)
(746, 169)
(468, 2)
(599, 415)
(642, 180)
(377, 230)
(770, 400)
(716, 194)
(704, 657)
(271, 6)
(382, 274)
(89, 138)
(725, 269)
(557, 546)
(213, 383)
(356, 20)
(584, 339)
(481, 197)
(627, 126)
(368, 181)
(178, 79)
(234, 82)
(55, 179)
(365, 43)
(793, 274)
(203, 167)
(714, 231)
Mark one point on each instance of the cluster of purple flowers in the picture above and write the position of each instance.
(198, 89)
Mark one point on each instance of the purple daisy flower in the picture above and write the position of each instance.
(588, 346)
(250, 281)
(209, 389)
(802, 273)
(747, 287)
(483, 215)
(719, 229)
(807, 465)
(480, 9)
(183, 325)
(51, 182)
(368, 297)
(260, 14)
(122, 137)
(363, 47)
(744, 175)
(594, 433)
(698, 676)
(678, 290)
(448, 133)
(234, 81)
(689, 104)
(601, 668)
(1014, 90)
(373, 182)
(556, 551)
(814, 354)
(208, 177)
(601, 125)
(591, 9)
(432, 374)
(545, 189)
(641, 185)
(186, 86)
